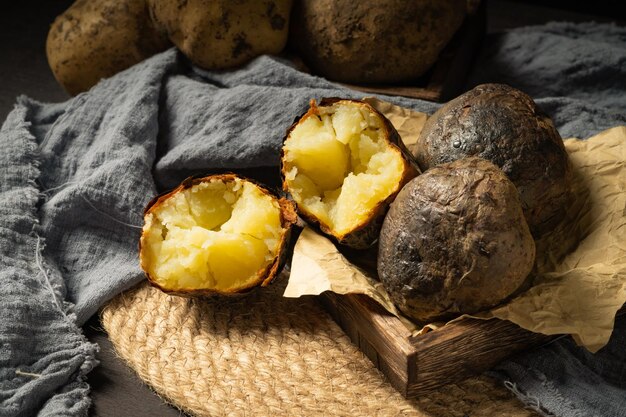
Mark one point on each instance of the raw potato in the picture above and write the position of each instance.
(215, 235)
(503, 125)
(387, 41)
(219, 34)
(343, 163)
(96, 39)
(455, 241)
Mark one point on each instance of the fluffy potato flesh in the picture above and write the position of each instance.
(339, 165)
(216, 235)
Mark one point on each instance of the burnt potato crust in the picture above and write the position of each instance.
(454, 241)
(503, 125)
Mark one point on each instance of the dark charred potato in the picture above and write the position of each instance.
(387, 41)
(454, 241)
(343, 163)
(215, 235)
(503, 125)
(96, 39)
(219, 34)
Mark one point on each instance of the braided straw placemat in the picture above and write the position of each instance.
(265, 355)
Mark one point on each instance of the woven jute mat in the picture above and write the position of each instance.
(265, 355)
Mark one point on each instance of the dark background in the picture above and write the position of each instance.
(116, 390)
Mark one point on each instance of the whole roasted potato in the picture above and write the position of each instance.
(454, 241)
(343, 163)
(385, 41)
(503, 125)
(219, 34)
(220, 234)
(96, 39)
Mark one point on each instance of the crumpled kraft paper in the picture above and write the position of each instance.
(318, 266)
(579, 291)
(580, 280)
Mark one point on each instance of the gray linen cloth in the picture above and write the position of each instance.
(75, 177)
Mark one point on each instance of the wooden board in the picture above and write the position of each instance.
(416, 364)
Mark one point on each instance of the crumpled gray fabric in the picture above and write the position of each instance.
(43, 355)
(579, 61)
(235, 120)
(104, 154)
(74, 179)
(561, 379)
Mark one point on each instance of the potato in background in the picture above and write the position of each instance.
(385, 41)
(96, 39)
(221, 34)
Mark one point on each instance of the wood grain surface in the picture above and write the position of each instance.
(416, 364)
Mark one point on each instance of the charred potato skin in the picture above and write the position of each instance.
(288, 219)
(366, 234)
(355, 42)
(221, 34)
(97, 39)
(454, 241)
(504, 125)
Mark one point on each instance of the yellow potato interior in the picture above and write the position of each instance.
(215, 235)
(339, 166)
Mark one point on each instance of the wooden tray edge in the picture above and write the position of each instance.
(415, 365)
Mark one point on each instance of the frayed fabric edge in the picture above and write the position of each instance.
(37, 244)
(533, 402)
(528, 400)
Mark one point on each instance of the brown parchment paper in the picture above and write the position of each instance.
(580, 279)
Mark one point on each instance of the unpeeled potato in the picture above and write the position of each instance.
(218, 34)
(505, 126)
(383, 41)
(96, 39)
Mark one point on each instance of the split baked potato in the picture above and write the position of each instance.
(343, 163)
(220, 234)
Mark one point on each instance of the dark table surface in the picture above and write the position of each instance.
(116, 389)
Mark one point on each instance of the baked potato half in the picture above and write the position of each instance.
(343, 162)
(220, 234)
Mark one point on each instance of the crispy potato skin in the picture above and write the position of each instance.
(503, 125)
(454, 241)
(220, 34)
(366, 234)
(387, 41)
(288, 218)
(96, 39)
